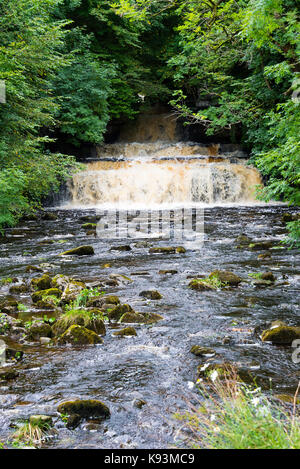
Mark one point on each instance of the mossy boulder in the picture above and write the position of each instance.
(227, 277)
(33, 268)
(125, 247)
(42, 294)
(199, 351)
(89, 226)
(200, 285)
(9, 305)
(48, 216)
(39, 329)
(151, 294)
(242, 240)
(118, 311)
(99, 301)
(260, 245)
(91, 320)
(85, 408)
(80, 251)
(127, 331)
(167, 250)
(268, 276)
(72, 290)
(168, 271)
(17, 289)
(280, 334)
(140, 318)
(265, 255)
(79, 335)
(42, 283)
(6, 323)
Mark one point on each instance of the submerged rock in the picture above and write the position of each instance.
(126, 331)
(142, 318)
(166, 272)
(167, 250)
(49, 216)
(85, 408)
(202, 351)
(151, 294)
(78, 335)
(125, 247)
(281, 334)
(200, 285)
(99, 301)
(16, 289)
(260, 245)
(80, 251)
(243, 239)
(7, 374)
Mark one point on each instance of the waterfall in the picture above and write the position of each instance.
(161, 172)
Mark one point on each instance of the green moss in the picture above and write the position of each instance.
(151, 294)
(78, 335)
(118, 311)
(84, 408)
(226, 277)
(281, 334)
(80, 251)
(142, 318)
(40, 295)
(42, 283)
(202, 351)
(126, 331)
(92, 320)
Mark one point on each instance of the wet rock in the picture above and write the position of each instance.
(268, 276)
(202, 351)
(118, 311)
(264, 256)
(48, 216)
(33, 268)
(91, 320)
(41, 421)
(42, 283)
(139, 403)
(13, 354)
(9, 305)
(48, 305)
(39, 329)
(80, 251)
(72, 290)
(99, 301)
(6, 323)
(123, 279)
(42, 294)
(141, 273)
(125, 247)
(259, 283)
(260, 245)
(166, 272)
(281, 334)
(45, 340)
(73, 421)
(151, 294)
(142, 244)
(89, 226)
(84, 408)
(227, 277)
(78, 335)
(199, 285)
(167, 250)
(142, 318)
(288, 217)
(7, 374)
(127, 331)
(243, 239)
(17, 289)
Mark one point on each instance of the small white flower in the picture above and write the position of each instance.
(214, 376)
(255, 401)
(263, 411)
(212, 418)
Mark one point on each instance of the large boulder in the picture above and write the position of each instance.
(118, 311)
(127, 331)
(78, 335)
(42, 283)
(42, 294)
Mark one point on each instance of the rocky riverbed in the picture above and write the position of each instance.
(150, 316)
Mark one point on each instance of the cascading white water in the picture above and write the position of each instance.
(139, 174)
